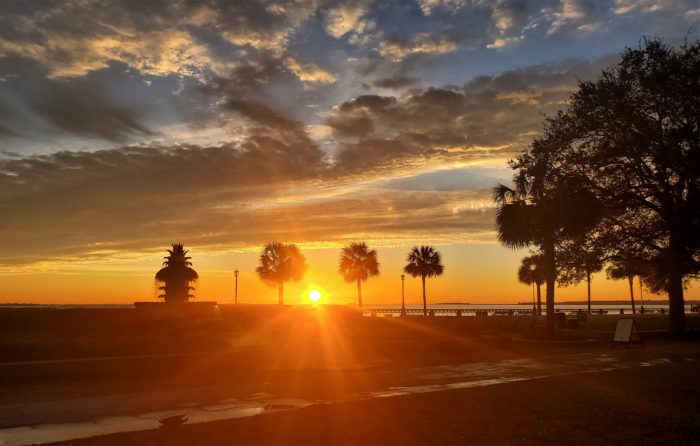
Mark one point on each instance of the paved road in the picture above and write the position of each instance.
(83, 417)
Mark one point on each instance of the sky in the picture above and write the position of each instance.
(127, 125)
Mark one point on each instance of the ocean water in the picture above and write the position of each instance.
(493, 309)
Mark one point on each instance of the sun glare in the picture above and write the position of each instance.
(314, 295)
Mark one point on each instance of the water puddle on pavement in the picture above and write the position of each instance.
(451, 377)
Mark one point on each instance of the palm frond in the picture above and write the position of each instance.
(424, 261)
(281, 262)
(358, 262)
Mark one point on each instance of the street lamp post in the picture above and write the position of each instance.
(403, 303)
(235, 296)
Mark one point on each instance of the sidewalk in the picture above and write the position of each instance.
(83, 417)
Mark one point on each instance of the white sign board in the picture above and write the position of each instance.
(626, 331)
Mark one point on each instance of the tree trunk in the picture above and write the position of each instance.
(588, 279)
(631, 281)
(425, 304)
(539, 300)
(280, 293)
(359, 294)
(676, 307)
(550, 272)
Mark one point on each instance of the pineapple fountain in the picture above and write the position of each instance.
(174, 283)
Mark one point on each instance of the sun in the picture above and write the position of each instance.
(314, 295)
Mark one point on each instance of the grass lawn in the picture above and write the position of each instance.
(641, 406)
(35, 334)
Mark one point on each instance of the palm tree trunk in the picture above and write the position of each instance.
(550, 277)
(539, 299)
(588, 279)
(359, 294)
(425, 305)
(280, 293)
(631, 281)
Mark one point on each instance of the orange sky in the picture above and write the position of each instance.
(475, 273)
(321, 125)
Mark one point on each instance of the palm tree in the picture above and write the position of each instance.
(579, 259)
(177, 275)
(542, 209)
(281, 263)
(625, 267)
(591, 265)
(357, 264)
(531, 272)
(424, 262)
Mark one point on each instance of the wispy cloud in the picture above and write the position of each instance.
(126, 123)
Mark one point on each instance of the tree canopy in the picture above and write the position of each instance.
(357, 264)
(424, 262)
(281, 263)
(629, 141)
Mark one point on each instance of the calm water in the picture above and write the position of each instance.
(491, 309)
(440, 309)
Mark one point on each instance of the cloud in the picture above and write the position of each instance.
(692, 15)
(135, 195)
(510, 20)
(578, 16)
(262, 114)
(274, 182)
(459, 179)
(346, 18)
(158, 53)
(503, 42)
(136, 199)
(74, 38)
(36, 109)
(83, 110)
(428, 6)
(396, 82)
(247, 79)
(264, 25)
(421, 43)
(646, 6)
(310, 72)
(488, 117)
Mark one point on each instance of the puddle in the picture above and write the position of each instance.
(45, 433)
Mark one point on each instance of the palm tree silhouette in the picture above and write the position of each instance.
(357, 264)
(521, 220)
(281, 263)
(177, 275)
(424, 262)
(531, 272)
(542, 209)
(625, 267)
(578, 260)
